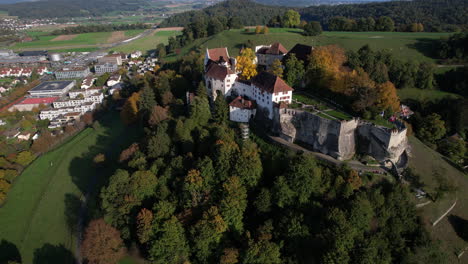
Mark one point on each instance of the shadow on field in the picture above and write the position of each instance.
(48, 254)
(9, 252)
(460, 226)
(425, 46)
(72, 211)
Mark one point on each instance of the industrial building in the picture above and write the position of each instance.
(52, 89)
(72, 73)
(105, 67)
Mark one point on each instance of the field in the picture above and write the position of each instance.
(78, 41)
(427, 163)
(149, 42)
(412, 46)
(42, 207)
(424, 95)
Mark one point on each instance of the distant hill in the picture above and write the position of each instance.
(70, 8)
(249, 12)
(299, 3)
(435, 15)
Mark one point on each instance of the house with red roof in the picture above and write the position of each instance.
(267, 54)
(241, 109)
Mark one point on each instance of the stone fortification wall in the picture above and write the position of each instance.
(330, 137)
(340, 139)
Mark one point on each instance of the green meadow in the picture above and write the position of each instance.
(411, 46)
(42, 208)
(147, 43)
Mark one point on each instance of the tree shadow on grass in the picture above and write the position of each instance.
(425, 46)
(48, 254)
(460, 226)
(72, 211)
(9, 252)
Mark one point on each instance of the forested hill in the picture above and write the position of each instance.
(248, 12)
(435, 15)
(70, 8)
(312, 2)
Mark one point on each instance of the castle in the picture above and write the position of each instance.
(271, 96)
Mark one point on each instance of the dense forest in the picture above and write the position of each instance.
(70, 8)
(98, 28)
(434, 15)
(192, 191)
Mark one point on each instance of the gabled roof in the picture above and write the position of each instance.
(275, 49)
(217, 71)
(216, 54)
(270, 83)
(301, 51)
(242, 103)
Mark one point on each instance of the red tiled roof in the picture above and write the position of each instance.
(242, 103)
(216, 54)
(45, 100)
(217, 72)
(275, 49)
(270, 83)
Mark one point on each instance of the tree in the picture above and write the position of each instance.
(102, 243)
(200, 111)
(248, 165)
(214, 26)
(291, 19)
(158, 114)
(207, 233)
(159, 142)
(265, 30)
(144, 225)
(99, 159)
(387, 97)
(234, 203)
(161, 50)
(262, 249)
(230, 256)
(101, 80)
(235, 22)
(276, 68)
(312, 28)
(385, 23)
(245, 64)
(258, 29)
(170, 245)
(220, 110)
(431, 129)
(24, 158)
(129, 111)
(453, 148)
(294, 70)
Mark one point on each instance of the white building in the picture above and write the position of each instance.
(267, 90)
(72, 73)
(266, 55)
(220, 72)
(241, 110)
(135, 54)
(88, 82)
(105, 67)
(113, 80)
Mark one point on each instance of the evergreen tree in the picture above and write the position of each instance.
(220, 110)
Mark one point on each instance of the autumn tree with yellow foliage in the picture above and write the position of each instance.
(129, 114)
(245, 64)
(327, 71)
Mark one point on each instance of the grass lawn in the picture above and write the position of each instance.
(77, 49)
(426, 162)
(42, 204)
(424, 95)
(84, 40)
(147, 43)
(412, 46)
